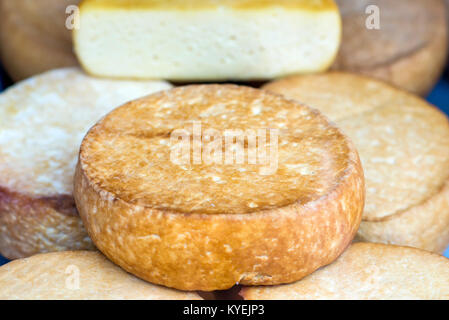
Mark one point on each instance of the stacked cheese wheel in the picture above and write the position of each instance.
(403, 145)
(43, 120)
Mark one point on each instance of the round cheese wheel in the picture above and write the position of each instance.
(403, 42)
(369, 271)
(77, 275)
(403, 144)
(200, 220)
(42, 122)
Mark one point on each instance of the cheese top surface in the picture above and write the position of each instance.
(134, 152)
(44, 276)
(314, 5)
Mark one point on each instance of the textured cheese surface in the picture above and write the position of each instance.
(129, 152)
(207, 225)
(225, 40)
(401, 139)
(42, 123)
(77, 275)
(369, 271)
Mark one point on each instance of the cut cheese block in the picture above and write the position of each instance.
(42, 123)
(408, 50)
(77, 275)
(34, 37)
(207, 39)
(207, 223)
(368, 271)
(403, 145)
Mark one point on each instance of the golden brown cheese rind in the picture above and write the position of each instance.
(180, 245)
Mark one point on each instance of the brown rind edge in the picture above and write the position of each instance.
(418, 71)
(215, 251)
(26, 50)
(424, 226)
(31, 225)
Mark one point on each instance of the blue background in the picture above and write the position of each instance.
(438, 97)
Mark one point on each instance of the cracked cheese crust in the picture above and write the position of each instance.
(207, 227)
(42, 123)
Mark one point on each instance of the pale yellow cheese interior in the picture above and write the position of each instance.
(207, 40)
